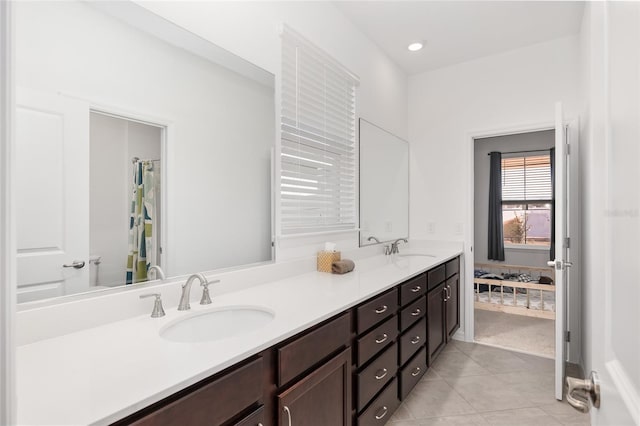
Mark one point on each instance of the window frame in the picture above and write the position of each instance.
(525, 203)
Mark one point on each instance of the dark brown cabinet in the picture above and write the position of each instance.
(443, 306)
(435, 320)
(321, 398)
(453, 305)
(352, 369)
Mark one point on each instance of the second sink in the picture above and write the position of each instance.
(217, 324)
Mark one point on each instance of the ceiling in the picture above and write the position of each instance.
(459, 31)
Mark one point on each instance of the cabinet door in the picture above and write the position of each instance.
(452, 306)
(321, 398)
(436, 321)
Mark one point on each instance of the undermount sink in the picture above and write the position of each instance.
(415, 254)
(217, 324)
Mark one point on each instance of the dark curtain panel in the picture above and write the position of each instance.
(552, 250)
(496, 239)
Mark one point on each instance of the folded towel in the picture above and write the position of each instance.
(342, 266)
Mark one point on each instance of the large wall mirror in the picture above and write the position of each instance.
(384, 185)
(137, 144)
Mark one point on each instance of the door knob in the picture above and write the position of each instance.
(579, 392)
(78, 264)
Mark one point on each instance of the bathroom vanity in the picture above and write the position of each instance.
(353, 368)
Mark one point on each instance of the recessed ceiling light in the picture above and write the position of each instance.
(415, 46)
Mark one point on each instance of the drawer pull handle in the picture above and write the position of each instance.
(416, 289)
(382, 309)
(286, 410)
(382, 339)
(381, 374)
(384, 410)
(415, 340)
(416, 312)
(416, 371)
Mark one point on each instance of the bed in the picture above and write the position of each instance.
(520, 293)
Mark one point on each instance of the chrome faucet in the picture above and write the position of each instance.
(186, 291)
(394, 245)
(158, 311)
(159, 272)
(372, 238)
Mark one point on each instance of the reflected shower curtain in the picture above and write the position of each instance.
(141, 223)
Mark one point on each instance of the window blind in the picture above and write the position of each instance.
(318, 158)
(526, 178)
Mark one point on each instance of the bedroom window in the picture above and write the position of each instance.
(527, 198)
(318, 137)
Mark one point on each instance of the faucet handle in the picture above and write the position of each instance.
(206, 299)
(158, 310)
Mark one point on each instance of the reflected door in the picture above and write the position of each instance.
(51, 195)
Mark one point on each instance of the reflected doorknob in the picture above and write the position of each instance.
(559, 264)
(579, 392)
(78, 264)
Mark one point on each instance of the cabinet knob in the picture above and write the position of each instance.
(286, 410)
(416, 371)
(415, 340)
(381, 374)
(416, 289)
(382, 309)
(416, 312)
(382, 339)
(382, 412)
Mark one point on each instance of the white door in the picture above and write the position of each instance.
(616, 346)
(51, 195)
(612, 294)
(561, 256)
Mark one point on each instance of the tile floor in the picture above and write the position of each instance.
(471, 384)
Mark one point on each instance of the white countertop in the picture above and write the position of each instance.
(102, 374)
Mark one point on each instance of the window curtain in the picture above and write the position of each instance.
(552, 161)
(141, 223)
(496, 238)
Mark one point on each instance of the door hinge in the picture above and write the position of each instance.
(568, 150)
(567, 336)
(567, 242)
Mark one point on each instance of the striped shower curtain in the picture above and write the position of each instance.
(142, 253)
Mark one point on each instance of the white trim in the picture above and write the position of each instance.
(624, 385)
(8, 403)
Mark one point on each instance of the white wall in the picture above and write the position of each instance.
(448, 105)
(221, 125)
(530, 256)
(251, 30)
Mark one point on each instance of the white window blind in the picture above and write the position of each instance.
(526, 178)
(318, 161)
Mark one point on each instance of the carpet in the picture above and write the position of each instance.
(517, 332)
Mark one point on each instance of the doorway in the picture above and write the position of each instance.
(125, 168)
(514, 292)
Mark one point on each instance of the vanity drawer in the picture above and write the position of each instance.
(412, 373)
(254, 419)
(435, 277)
(412, 313)
(382, 408)
(376, 375)
(215, 402)
(304, 352)
(413, 289)
(411, 341)
(376, 340)
(376, 310)
(452, 267)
